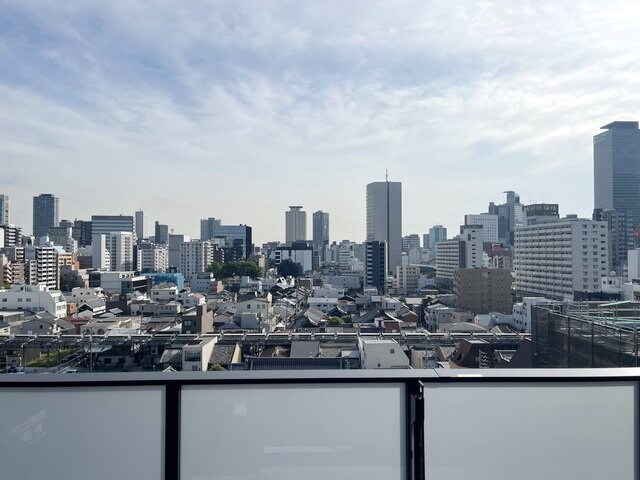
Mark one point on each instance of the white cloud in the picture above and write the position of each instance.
(236, 110)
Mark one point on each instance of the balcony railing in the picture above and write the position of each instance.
(386, 425)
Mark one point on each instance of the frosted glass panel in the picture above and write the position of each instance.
(530, 431)
(81, 433)
(293, 432)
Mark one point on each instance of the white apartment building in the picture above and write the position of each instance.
(560, 260)
(301, 255)
(112, 251)
(463, 251)
(407, 277)
(522, 312)
(34, 298)
(195, 257)
(489, 224)
(153, 258)
(42, 264)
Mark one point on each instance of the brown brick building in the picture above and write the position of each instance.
(483, 290)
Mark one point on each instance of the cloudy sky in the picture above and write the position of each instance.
(236, 110)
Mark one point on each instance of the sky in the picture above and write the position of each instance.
(236, 110)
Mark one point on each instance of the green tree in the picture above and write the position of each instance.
(239, 269)
(215, 268)
(335, 321)
(289, 268)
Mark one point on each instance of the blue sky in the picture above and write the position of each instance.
(239, 109)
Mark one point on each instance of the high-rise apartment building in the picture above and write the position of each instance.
(376, 268)
(4, 209)
(12, 235)
(113, 251)
(295, 225)
(175, 240)
(42, 265)
(152, 257)
(320, 230)
(384, 219)
(563, 260)
(139, 217)
(616, 169)
(462, 251)
(489, 223)
(45, 214)
(196, 256)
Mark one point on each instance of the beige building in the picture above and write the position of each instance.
(483, 290)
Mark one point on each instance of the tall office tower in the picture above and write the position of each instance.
(616, 170)
(82, 232)
(161, 233)
(375, 265)
(462, 251)
(4, 209)
(616, 181)
(208, 227)
(384, 219)
(489, 224)
(45, 214)
(510, 215)
(235, 240)
(296, 225)
(563, 259)
(139, 218)
(437, 233)
(320, 232)
(103, 224)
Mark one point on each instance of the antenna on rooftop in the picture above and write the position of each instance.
(386, 175)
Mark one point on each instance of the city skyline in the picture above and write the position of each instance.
(477, 99)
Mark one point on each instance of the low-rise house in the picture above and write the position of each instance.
(35, 298)
(375, 353)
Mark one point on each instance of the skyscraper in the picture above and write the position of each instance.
(235, 240)
(510, 215)
(376, 266)
(112, 223)
(161, 233)
(437, 233)
(616, 169)
(296, 225)
(4, 209)
(139, 217)
(45, 214)
(384, 218)
(320, 230)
